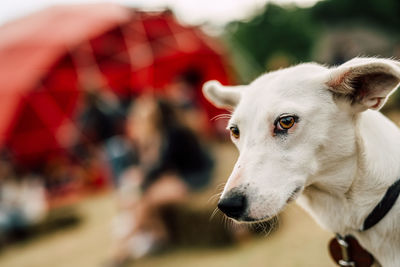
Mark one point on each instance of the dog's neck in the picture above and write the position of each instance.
(346, 189)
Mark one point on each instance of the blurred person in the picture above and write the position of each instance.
(102, 117)
(23, 201)
(159, 165)
(61, 179)
(183, 93)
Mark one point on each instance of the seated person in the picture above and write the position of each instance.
(159, 164)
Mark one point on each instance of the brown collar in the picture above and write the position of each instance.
(348, 252)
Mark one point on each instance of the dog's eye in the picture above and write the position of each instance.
(235, 131)
(284, 123)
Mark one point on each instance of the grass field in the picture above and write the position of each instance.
(297, 242)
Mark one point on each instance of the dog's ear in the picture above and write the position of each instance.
(222, 96)
(366, 82)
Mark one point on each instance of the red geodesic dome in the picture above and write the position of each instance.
(50, 58)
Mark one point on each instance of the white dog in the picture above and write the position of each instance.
(314, 134)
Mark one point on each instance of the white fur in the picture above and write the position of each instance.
(342, 154)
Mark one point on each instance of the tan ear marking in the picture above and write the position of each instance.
(337, 81)
(378, 102)
(340, 83)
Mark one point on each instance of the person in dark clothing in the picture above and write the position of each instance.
(184, 93)
(180, 152)
(165, 163)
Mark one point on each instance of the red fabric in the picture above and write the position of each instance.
(49, 58)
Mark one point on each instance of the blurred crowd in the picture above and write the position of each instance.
(151, 151)
(113, 105)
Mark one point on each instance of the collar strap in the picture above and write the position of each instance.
(383, 207)
(347, 252)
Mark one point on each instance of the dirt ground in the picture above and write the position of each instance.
(298, 241)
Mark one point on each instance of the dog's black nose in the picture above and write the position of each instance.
(233, 206)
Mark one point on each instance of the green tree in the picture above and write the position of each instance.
(384, 14)
(277, 30)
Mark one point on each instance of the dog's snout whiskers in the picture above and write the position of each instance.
(294, 194)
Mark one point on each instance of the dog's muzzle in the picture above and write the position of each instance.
(234, 205)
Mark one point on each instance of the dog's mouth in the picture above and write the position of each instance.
(295, 194)
(236, 206)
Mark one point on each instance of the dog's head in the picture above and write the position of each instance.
(291, 124)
